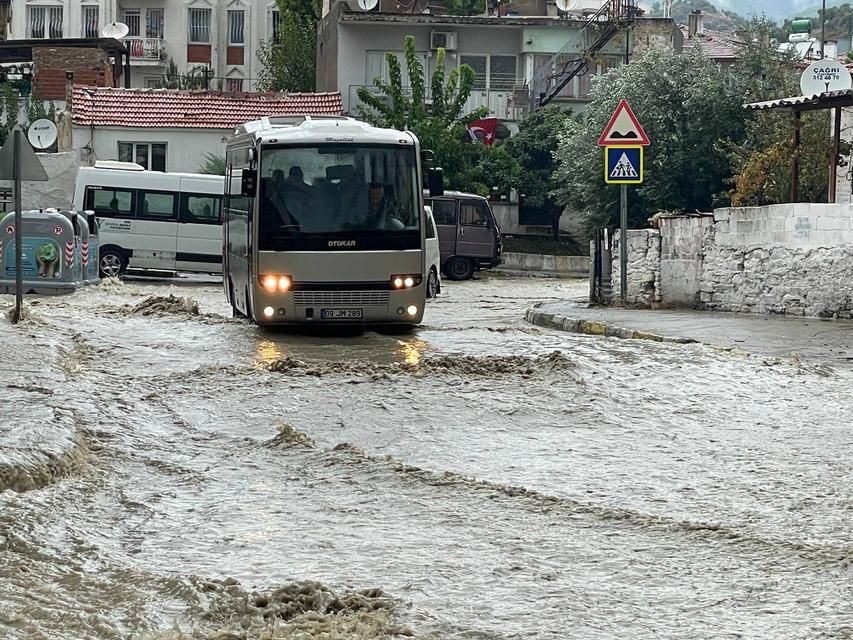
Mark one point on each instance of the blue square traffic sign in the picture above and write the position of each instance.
(623, 165)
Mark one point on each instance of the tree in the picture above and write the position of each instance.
(443, 127)
(465, 7)
(288, 61)
(213, 165)
(761, 162)
(686, 104)
(533, 148)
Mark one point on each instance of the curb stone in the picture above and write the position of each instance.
(595, 328)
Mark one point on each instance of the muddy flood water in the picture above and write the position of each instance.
(169, 472)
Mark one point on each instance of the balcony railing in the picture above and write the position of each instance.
(146, 49)
(501, 103)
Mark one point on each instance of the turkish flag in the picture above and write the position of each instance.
(484, 130)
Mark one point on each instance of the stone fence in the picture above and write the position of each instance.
(794, 259)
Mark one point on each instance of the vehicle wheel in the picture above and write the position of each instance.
(460, 268)
(432, 284)
(111, 263)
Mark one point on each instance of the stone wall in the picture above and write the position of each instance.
(644, 250)
(682, 242)
(794, 259)
(58, 191)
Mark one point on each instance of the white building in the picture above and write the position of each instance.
(216, 38)
(168, 130)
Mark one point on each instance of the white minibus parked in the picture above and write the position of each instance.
(153, 220)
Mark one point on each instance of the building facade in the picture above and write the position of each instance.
(513, 56)
(213, 42)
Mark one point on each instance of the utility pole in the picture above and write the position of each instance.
(823, 30)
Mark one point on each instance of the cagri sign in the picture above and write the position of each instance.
(823, 76)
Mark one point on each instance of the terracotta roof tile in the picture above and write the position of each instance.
(715, 44)
(172, 108)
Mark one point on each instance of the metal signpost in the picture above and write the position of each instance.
(624, 142)
(18, 162)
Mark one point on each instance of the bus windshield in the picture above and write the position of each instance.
(338, 191)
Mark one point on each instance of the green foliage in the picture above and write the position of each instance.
(213, 164)
(13, 106)
(686, 103)
(762, 161)
(288, 62)
(533, 147)
(465, 7)
(444, 129)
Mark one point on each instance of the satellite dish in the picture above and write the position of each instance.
(367, 5)
(42, 134)
(567, 5)
(824, 76)
(117, 30)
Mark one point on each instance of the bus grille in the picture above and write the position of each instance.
(364, 298)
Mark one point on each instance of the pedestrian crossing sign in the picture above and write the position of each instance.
(623, 165)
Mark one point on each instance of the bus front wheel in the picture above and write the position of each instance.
(111, 263)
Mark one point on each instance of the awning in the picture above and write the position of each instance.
(828, 100)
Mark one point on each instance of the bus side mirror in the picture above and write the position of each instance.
(249, 183)
(435, 179)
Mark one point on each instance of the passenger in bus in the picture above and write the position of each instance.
(296, 179)
(274, 202)
(114, 205)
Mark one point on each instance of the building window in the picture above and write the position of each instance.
(133, 20)
(235, 84)
(154, 24)
(153, 83)
(150, 155)
(200, 26)
(236, 27)
(275, 22)
(44, 22)
(90, 21)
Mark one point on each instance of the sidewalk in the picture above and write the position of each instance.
(829, 341)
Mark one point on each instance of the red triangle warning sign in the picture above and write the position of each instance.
(623, 129)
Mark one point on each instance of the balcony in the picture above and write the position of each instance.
(146, 50)
(504, 104)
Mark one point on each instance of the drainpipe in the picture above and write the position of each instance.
(5, 10)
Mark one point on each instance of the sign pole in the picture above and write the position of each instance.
(623, 242)
(19, 223)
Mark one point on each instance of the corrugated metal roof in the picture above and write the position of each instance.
(171, 108)
(823, 100)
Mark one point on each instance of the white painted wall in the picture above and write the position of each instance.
(185, 148)
(58, 191)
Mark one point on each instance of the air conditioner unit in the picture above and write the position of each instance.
(442, 40)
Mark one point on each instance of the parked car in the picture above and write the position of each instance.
(433, 256)
(468, 234)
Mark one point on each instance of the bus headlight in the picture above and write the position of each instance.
(273, 283)
(405, 281)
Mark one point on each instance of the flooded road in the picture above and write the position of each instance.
(169, 472)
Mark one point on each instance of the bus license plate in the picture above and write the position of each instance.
(340, 314)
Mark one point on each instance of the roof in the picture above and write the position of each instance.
(312, 131)
(715, 44)
(806, 103)
(345, 14)
(172, 108)
(22, 50)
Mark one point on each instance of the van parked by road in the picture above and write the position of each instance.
(468, 233)
(153, 220)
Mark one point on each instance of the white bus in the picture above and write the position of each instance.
(324, 222)
(153, 220)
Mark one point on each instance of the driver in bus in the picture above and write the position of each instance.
(380, 212)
